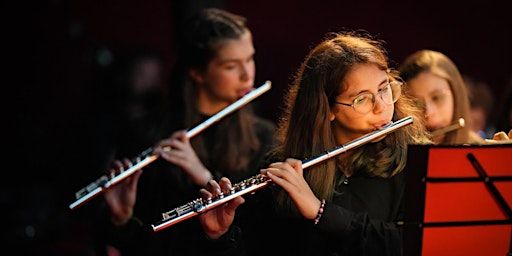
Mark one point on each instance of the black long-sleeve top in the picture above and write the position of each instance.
(360, 220)
(162, 187)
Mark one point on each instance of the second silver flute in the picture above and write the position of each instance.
(254, 183)
(106, 181)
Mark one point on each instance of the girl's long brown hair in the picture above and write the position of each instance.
(305, 130)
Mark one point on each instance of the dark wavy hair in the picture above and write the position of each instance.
(204, 34)
(305, 130)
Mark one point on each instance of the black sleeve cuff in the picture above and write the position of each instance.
(228, 244)
(122, 235)
(335, 219)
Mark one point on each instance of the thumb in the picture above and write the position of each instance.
(233, 204)
(135, 180)
(180, 135)
(295, 164)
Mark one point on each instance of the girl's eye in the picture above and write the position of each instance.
(361, 99)
(384, 89)
(437, 98)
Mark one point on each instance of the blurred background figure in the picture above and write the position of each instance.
(435, 81)
(481, 107)
(132, 113)
(134, 109)
(214, 68)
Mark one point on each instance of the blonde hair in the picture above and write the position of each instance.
(440, 65)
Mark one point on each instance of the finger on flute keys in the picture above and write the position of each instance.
(213, 189)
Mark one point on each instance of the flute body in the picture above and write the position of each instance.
(260, 181)
(146, 157)
(457, 125)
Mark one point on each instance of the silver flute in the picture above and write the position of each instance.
(147, 156)
(460, 123)
(259, 181)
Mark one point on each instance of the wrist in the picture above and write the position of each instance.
(199, 175)
(320, 212)
(121, 219)
(206, 176)
(216, 235)
(311, 213)
(116, 221)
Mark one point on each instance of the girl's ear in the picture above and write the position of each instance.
(331, 116)
(196, 75)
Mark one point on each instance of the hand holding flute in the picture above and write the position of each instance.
(178, 151)
(287, 174)
(216, 222)
(121, 199)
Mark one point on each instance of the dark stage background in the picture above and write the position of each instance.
(59, 46)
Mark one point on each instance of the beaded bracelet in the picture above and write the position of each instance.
(320, 212)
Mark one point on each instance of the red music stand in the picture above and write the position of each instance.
(458, 200)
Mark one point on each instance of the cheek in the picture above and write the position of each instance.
(390, 111)
(229, 77)
(221, 79)
(252, 69)
(444, 115)
(350, 121)
(449, 110)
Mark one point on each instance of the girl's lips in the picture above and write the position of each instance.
(381, 125)
(245, 91)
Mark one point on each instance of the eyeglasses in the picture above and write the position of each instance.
(365, 102)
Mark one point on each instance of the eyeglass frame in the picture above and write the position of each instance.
(389, 83)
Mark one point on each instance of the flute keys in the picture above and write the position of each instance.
(80, 193)
(198, 207)
(103, 181)
(261, 178)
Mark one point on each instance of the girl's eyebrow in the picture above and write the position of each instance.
(382, 82)
(227, 60)
(439, 91)
(221, 60)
